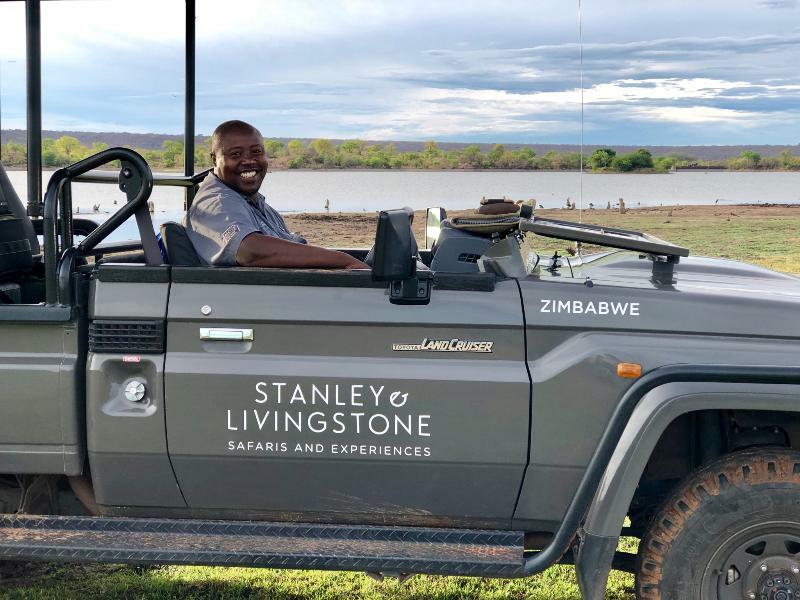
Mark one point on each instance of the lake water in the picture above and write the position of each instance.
(374, 190)
(349, 191)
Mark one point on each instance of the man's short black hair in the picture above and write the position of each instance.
(228, 127)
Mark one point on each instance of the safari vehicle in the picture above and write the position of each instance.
(492, 416)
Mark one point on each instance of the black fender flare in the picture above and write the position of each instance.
(676, 391)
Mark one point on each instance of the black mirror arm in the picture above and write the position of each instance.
(415, 290)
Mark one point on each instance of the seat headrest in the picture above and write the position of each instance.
(180, 251)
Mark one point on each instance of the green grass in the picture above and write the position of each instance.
(769, 237)
(35, 581)
(766, 237)
(111, 581)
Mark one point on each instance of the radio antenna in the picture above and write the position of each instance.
(580, 173)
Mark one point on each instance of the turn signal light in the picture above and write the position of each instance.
(629, 370)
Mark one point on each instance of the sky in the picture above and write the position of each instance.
(681, 72)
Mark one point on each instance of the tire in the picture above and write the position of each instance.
(730, 532)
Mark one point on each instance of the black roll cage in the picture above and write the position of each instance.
(57, 229)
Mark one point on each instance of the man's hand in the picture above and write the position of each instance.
(258, 250)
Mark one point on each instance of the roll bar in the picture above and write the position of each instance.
(184, 181)
(135, 179)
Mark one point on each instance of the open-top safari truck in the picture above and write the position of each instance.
(492, 416)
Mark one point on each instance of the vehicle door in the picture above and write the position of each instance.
(40, 420)
(40, 356)
(309, 396)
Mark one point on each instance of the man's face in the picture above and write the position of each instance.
(240, 161)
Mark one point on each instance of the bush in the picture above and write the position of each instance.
(622, 163)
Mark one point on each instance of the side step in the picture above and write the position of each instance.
(261, 544)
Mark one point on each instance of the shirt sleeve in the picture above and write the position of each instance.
(217, 226)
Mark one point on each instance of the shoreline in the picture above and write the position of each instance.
(405, 170)
(629, 210)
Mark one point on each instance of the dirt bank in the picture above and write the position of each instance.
(355, 230)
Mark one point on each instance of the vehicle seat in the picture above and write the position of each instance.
(16, 257)
(9, 198)
(180, 251)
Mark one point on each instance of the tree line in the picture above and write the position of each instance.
(357, 154)
(606, 159)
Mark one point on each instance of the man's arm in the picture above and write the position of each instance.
(258, 250)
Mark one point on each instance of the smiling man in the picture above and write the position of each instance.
(230, 222)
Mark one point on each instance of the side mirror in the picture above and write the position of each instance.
(396, 259)
(433, 225)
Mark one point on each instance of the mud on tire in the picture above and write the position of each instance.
(731, 531)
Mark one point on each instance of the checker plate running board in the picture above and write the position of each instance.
(260, 544)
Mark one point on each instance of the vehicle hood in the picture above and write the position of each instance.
(636, 269)
(616, 290)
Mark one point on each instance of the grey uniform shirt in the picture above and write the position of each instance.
(220, 218)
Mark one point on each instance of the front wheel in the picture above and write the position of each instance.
(730, 532)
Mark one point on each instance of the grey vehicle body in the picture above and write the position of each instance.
(493, 416)
(286, 396)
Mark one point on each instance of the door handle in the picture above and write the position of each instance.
(226, 334)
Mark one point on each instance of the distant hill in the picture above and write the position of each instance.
(148, 141)
(153, 141)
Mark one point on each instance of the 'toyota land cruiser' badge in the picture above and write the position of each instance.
(453, 345)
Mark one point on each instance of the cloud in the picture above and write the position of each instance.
(82, 29)
(780, 4)
(432, 112)
(675, 80)
(436, 113)
(633, 90)
(551, 64)
(696, 115)
(456, 69)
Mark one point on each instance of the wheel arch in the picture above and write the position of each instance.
(653, 414)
